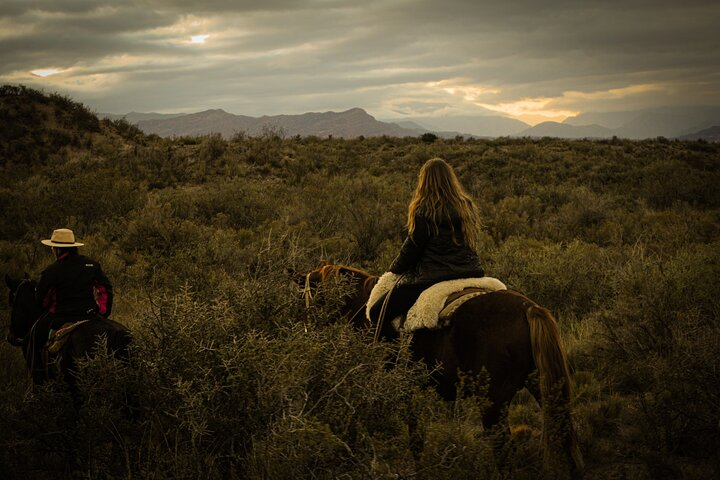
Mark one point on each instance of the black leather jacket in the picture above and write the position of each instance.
(427, 258)
(74, 285)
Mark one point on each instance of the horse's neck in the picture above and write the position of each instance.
(25, 300)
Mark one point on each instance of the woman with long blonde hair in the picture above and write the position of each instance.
(443, 226)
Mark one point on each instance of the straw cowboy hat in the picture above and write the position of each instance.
(62, 237)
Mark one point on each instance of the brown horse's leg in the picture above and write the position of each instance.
(495, 421)
(416, 432)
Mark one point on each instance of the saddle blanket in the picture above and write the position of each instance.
(58, 339)
(426, 312)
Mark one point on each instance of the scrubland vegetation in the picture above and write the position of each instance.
(231, 377)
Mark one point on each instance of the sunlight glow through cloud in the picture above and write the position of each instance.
(199, 39)
(531, 110)
(45, 72)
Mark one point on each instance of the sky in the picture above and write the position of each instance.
(533, 60)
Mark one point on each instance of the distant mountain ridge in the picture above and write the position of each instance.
(135, 117)
(477, 125)
(348, 124)
(711, 134)
(670, 122)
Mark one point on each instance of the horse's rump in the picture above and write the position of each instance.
(117, 335)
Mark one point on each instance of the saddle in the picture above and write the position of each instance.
(58, 337)
(455, 300)
(435, 306)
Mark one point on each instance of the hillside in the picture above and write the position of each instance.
(348, 124)
(711, 134)
(36, 126)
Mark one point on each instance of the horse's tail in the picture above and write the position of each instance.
(562, 452)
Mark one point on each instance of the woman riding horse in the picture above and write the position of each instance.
(442, 224)
(502, 333)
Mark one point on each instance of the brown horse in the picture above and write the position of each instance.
(505, 333)
(81, 342)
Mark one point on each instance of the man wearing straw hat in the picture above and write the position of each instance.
(71, 289)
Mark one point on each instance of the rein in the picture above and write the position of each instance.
(307, 291)
(383, 311)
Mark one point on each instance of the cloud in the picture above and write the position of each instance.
(520, 58)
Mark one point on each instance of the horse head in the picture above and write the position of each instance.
(24, 310)
(352, 287)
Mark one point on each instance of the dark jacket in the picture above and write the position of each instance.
(74, 285)
(426, 257)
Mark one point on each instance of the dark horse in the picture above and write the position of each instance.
(81, 341)
(503, 332)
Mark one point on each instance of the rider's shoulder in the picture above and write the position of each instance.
(86, 261)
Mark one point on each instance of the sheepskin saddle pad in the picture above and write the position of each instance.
(435, 305)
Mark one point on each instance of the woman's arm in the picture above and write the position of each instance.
(412, 248)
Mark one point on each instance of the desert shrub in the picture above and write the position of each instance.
(124, 128)
(661, 333)
(203, 396)
(428, 137)
(158, 231)
(668, 181)
(667, 231)
(512, 216)
(365, 211)
(235, 202)
(569, 279)
(212, 147)
(84, 201)
(579, 216)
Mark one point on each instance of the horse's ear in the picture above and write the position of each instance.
(26, 276)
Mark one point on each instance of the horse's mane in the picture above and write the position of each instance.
(334, 270)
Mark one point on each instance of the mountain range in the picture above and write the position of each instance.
(670, 122)
(351, 123)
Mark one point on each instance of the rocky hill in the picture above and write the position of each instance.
(36, 126)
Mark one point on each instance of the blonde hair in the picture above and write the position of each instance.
(440, 196)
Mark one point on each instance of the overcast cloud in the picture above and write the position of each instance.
(532, 60)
